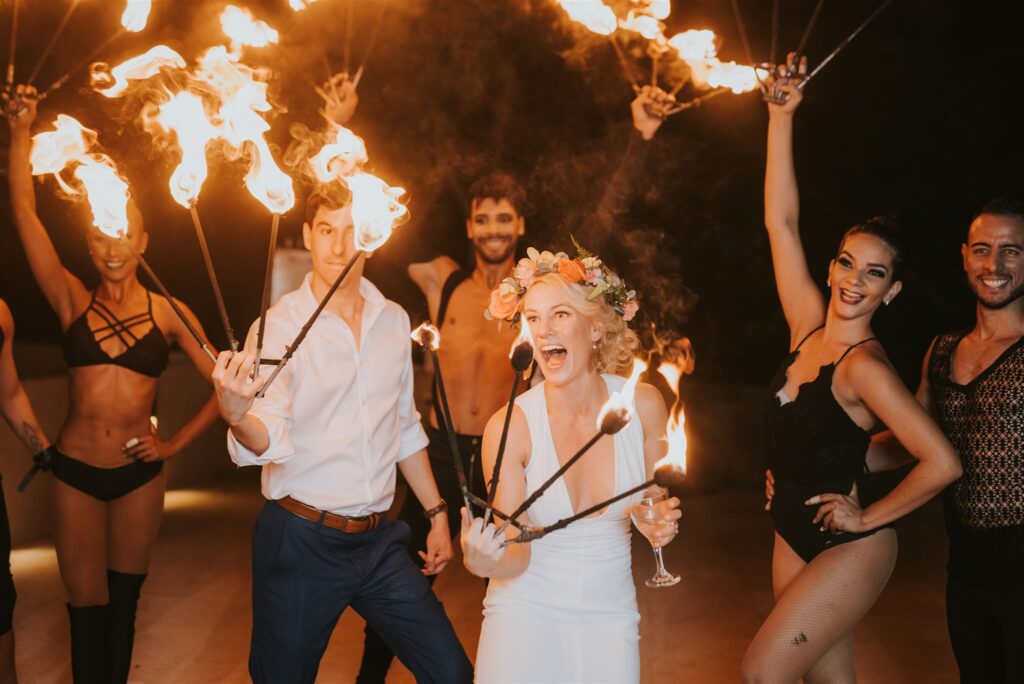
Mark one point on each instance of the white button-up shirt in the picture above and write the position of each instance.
(339, 416)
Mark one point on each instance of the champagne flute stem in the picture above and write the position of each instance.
(661, 571)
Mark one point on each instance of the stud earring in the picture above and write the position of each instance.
(828, 282)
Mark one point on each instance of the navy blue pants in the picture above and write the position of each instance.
(304, 575)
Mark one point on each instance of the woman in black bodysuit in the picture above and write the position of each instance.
(833, 552)
(109, 480)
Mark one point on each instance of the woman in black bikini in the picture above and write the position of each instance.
(110, 485)
(833, 552)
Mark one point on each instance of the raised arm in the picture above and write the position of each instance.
(60, 287)
(883, 393)
(802, 303)
(14, 403)
(429, 276)
(482, 552)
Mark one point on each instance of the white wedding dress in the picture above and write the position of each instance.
(572, 616)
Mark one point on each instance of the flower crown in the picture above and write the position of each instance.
(586, 270)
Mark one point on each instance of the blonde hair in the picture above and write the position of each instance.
(613, 353)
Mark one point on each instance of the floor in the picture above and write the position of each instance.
(194, 618)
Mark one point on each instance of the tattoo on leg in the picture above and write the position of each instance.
(798, 640)
(31, 437)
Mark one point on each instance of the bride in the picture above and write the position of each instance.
(563, 608)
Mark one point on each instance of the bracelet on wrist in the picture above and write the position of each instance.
(442, 507)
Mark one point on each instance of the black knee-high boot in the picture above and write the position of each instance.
(88, 643)
(124, 597)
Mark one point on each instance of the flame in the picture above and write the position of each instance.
(267, 182)
(695, 45)
(341, 157)
(594, 14)
(376, 206)
(244, 29)
(299, 5)
(137, 68)
(136, 13)
(427, 335)
(622, 400)
(68, 145)
(675, 435)
(375, 209)
(697, 49)
(670, 370)
(53, 151)
(659, 9)
(107, 194)
(183, 115)
(736, 77)
(525, 336)
(521, 352)
(242, 98)
(647, 26)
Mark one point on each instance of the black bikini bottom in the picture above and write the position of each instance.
(105, 484)
(793, 519)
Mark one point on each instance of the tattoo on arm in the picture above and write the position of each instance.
(31, 438)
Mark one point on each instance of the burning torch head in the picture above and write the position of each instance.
(669, 475)
(427, 335)
(615, 419)
(522, 356)
(521, 353)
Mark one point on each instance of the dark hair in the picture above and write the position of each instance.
(331, 196)
(886, 229)
(497, 186)
(1002, 206)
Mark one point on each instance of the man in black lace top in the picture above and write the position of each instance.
(973, 383)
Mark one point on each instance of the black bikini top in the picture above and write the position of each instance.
(147, 355)
(812, 439)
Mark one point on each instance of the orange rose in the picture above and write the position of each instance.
(572, 270)
(503, 304)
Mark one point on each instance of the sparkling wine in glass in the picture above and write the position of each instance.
(648, 521)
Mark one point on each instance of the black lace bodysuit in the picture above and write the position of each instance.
(984, 421)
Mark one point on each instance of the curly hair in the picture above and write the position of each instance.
(614, 352)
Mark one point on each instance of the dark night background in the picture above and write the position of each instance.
(917, 118)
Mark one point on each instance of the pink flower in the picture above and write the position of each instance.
(592, 276)
(503, 304)
(629, 310)
(525, 272)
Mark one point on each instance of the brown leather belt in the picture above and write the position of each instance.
(333, 520)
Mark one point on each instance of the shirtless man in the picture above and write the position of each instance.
(474, 351)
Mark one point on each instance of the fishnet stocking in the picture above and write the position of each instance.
(809, 633)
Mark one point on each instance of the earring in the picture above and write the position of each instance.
(828, 283)
(886, 301)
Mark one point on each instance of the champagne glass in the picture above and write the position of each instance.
(648, 521)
